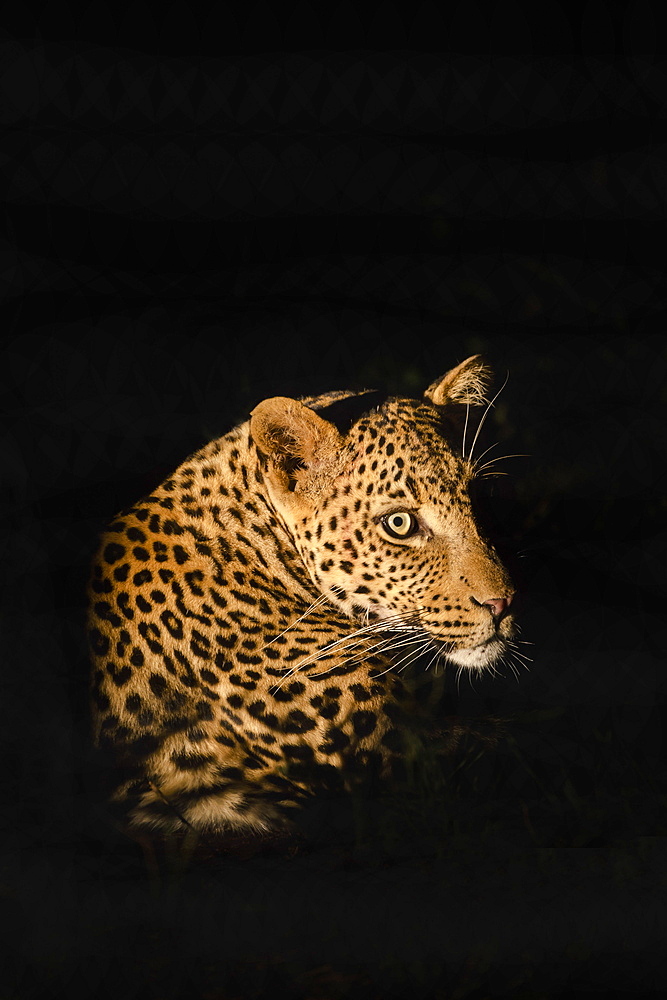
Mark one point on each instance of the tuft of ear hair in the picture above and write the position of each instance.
(467, 383)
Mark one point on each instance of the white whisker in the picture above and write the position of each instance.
(410, 657)
(387, 645)
(485, 452)
(519, 652)
(400, 622)
(433, 659)
(499, 458)
(484, 416)
(320, 600)
(465, 428)
(508, 663)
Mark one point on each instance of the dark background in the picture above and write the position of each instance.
(204, 212)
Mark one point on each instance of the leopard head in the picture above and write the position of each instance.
(380, 512)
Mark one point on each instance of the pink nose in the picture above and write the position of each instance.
(498, 605)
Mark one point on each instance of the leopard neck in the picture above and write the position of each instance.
(218, 496)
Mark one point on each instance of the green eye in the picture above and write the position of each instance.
(400, 524)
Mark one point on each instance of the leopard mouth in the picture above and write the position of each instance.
(483, 654)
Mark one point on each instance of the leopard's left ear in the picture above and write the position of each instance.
(467, 383)
(302, 450)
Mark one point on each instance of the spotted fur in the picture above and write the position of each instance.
(246, 619)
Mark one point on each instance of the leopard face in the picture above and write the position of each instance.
(391, 534)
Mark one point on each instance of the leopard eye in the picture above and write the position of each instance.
(400, 524)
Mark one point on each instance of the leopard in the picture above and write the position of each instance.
(249, 620)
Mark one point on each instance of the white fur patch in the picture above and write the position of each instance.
(484, 655)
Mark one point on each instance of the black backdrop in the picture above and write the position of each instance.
(204, 212)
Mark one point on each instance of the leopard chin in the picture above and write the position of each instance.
(486, 654)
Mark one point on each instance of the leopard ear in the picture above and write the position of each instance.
(467, 383)
(295, 440)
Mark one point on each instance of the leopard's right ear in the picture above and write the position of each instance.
(467, 383)
(300, 447)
